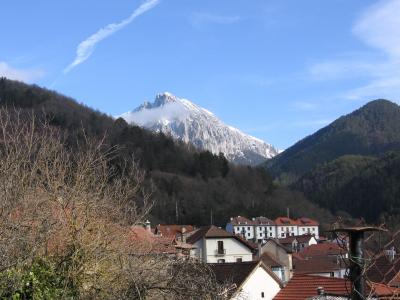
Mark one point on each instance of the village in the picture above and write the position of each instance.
(278, 259)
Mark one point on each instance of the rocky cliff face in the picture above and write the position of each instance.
(186, 121)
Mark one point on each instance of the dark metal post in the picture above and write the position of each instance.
(357, 265)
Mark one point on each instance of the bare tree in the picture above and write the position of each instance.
(71, 206)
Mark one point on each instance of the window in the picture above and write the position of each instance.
(248, 228)
(221, 261)
(270, 228)
(260, 234)
(239, 259)
(282, 234)
(220, 247)
(260, 228)
(262, 294)
(248, 234)
(270, 234)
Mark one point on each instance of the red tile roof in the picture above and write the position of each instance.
(284, 221)
(302, 287)
(173, 230)
(146, 242)
(306, 222)
(212, 231)
(321, 264)
(325, 249)
(383, 270)
(382, 290)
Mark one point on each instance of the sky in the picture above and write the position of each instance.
(276, 69)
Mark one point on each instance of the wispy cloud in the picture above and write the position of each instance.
(201, 19)
(26, 75)
(85, 49)
(379, 28)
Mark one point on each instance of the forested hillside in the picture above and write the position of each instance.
(188, 186)
(362, 186)
(371, 130)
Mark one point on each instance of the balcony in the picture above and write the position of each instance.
(219, 252)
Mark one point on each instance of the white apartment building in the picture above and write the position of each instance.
(262, 228)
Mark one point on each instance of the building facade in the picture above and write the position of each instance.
(215, 245)
(261, 228)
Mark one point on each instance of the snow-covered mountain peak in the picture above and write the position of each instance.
(165, 98)
(186, 121)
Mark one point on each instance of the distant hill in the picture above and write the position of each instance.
(362, 186)
(189, 186)
(371, 130)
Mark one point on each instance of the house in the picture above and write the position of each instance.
(305, 241)
(247, 280)
(325, 249)
(261, 228)
(276, 267)
(297, 243)
(146, 242)
(308, 226)
(289, 242)
(280, 254)
(215, 245)
(241, 225)
(180, 232)
(302, 287)
(264, 228)
(321, 265)
(286, 227)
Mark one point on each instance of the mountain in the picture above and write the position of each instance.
(359, 185)
(371, 130)
(185, 121)
(188, 186)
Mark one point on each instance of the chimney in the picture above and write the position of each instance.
(320, 291)
(147, 225)
(183, 236)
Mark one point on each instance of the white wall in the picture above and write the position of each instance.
(248, 230)
(291, 229)
(309, 230)
(259, 281)
(267, 231)
(234, 249)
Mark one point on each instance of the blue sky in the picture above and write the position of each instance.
(276, 69)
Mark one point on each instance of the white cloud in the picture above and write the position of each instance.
(379, 28)
(200, 19)
(166, 113)
(26, 75)
(85, 49)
